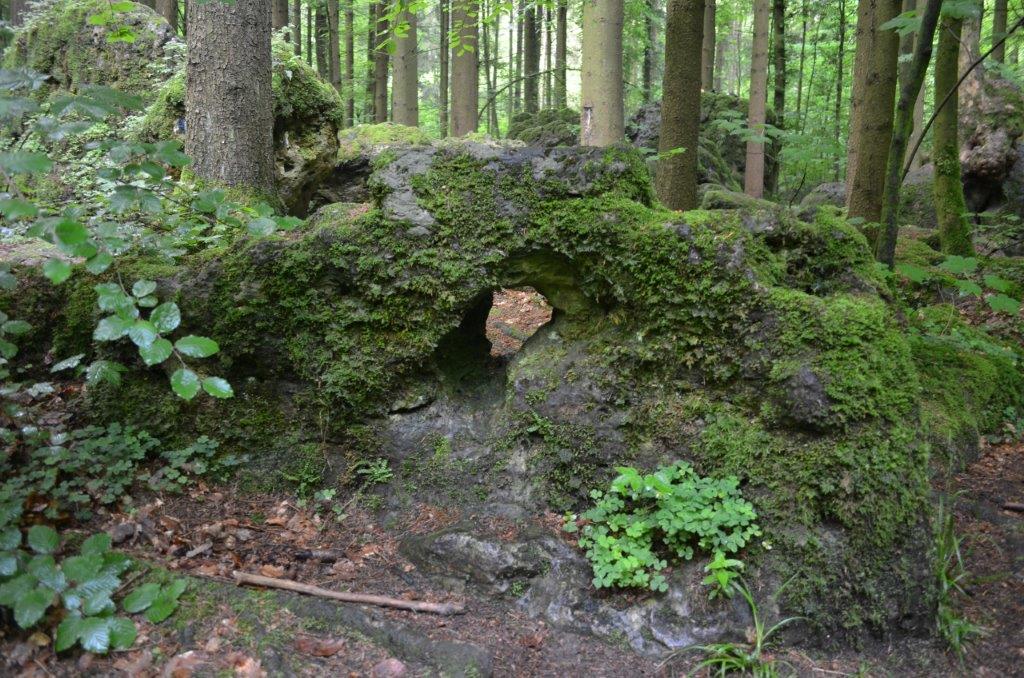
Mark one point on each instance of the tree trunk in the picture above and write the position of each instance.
(912, 76)
(494, 75)
(405, 88)
(323, 67)
(486, 54)
(465, 67)
(601, 111)
(17, 9)
(148, 3)
(531, 60)
(520, 30)
(908, 47)
(680, 107)
(875, 118)
(753, 177)
(280, 14)
(649, 47)
(999, 30)
(720, 48)
(380, 66)
(561, 62)
(334, 44)
(371, 42)
(297, 25)
(442, 98)
(779, 93)
(309, 35)
(350, 65)
(950, 206)
(229, 119)
(168, 9)
(840, 71)
(803, 58)
(707, 53)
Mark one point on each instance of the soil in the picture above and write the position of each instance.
(344, 544)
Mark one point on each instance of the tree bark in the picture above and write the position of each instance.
(323, 67)
(875, 118)
(371, 43)
(779, 92)
(297, 26)
(803, 58)
(601, 111)
(442, 99)
(912, 76)
(465, 67)
(840, 71)
(487, 56)
(334, 44)
(561, 62)
(17, 10)
(999, 30)
(380, 66)
(707, 54)
(908, 47)
(720, 48)
(309, 35)
(350, 65)
(531, 60)
(280, 14)
(548, 65)
(680, 108)
(229, 119)
(168, 9)
(649, 47)
(517, 87)
(950, 206)
(405, 88)
(753, 177)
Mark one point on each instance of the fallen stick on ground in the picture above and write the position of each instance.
(363, 598)
(1013, 506)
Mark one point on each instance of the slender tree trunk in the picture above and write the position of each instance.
(323, 67)
(908, 47)
(561, 62)
(510, 100)
(875, 119)
(494, 75)
(350, 64)
(680, 108)
(280, 15)
(862, 57)
(309, 35)
(840, 72)
(707, 53)
(442, 103)
(912, 76)
(168, 9)
(601, 116)
(17, 10)
(531, 60)
(753, 178)
(548, 65)
(520, 41)
(486, 54)
(334, 44)
(465, 67)
(779, 93)
(950, 206)
(720, 48)
(297, 25)
(380, 66)
(649, 47)
(803, 57)
(815, 44)
(405, 108)
(999, 30)
(737, 39)
(229, 119)
(371, 43)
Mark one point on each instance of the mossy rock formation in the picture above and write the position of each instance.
(744, 341)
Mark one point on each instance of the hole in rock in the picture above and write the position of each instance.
(515, 316)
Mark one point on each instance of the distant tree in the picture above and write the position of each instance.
(602, 116)
(405, 91)
(999, 30)
(531, 60)
(561, 62)
(465, 67)
(168, 9)
(296, 25)
(707, 54)
(442, 98)
(350, 65)
(753, 178)
(280, 14)
(381, 59)
(334, 44)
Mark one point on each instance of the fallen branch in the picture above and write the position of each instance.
(1013, 506)
(363, 598)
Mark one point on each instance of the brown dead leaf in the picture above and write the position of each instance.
(318, 647)
(272, 571)
(532, 641)
(279, 521)
(344, 569)
(182, 665)
(246, 667)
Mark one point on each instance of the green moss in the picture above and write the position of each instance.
(361, 140)
(548, 127)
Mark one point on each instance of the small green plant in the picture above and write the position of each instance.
(374, 472)
(722, 659)
(673, 511)
(954, 629)
(961, 273)
(306, 472)
(75, 592)
(722, 575)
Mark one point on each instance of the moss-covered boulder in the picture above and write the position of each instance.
(744, 341)
(135, 51)
(549, 127)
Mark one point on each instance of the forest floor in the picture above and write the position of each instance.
(209, 532)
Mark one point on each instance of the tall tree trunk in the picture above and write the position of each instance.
(17, 9)
(840, 72)
(779, 93)
(494, 75)
(561, 62)
(908, 47)
(371, 43)
(229, 118)
(350, 65)
(875, 117)
(707, 53)
(380, 66)
(531, 60)
(334, 44)
(442, 99)
(803, 58)
(465, 67)
(912, 76)
(280, 14)
(323, 67)
(548, 66)
(950, 206)
(680, 107)
(649, 47)
(510, 100)
(405, 88)
(309, 36)
(753, 176)
(297, 25)
(720, 48)
(168, 9)
(520, 41)
(601, 112)
(486, 54)
(999, 30)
